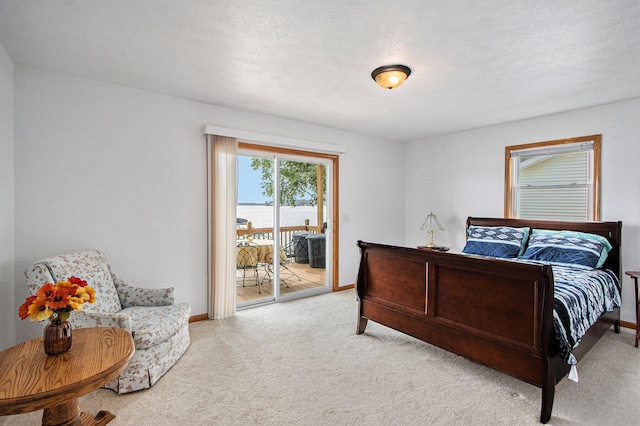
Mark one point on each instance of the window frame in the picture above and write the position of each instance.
(510, 185)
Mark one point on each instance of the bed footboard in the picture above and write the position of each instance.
(495, 312)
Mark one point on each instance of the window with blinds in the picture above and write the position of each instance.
(555, 180)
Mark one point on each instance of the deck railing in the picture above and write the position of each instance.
(286, 232)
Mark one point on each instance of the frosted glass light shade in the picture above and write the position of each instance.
(391, 76)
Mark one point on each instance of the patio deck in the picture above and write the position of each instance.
(309, 278)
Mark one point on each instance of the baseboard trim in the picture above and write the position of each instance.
(200, 317)
(627, 324)
(345, 287)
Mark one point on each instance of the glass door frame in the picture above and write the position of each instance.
(330, 161)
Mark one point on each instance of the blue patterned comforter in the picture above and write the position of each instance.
(581, 296)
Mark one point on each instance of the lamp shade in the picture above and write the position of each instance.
(431, 224)
(391, 76)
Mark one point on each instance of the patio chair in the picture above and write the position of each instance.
(247, 258)
(287, 252)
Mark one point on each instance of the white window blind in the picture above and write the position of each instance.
(554, 182)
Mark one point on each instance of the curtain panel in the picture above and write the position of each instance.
(222, 164)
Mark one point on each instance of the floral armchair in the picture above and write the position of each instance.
(160, 328)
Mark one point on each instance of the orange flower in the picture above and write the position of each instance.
(39, 311)
(46, 291)
(23, 311)
(61, 297)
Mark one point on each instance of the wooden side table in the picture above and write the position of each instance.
(434, 248)
(635, 275)
(31, 380)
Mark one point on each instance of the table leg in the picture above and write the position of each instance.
(637, 312)
(68, 414)
(635, 275)
(64, 414)
(637, 323)
(101, 419)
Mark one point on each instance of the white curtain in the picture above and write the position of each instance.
(222, 165)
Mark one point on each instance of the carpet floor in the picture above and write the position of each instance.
(301, 363)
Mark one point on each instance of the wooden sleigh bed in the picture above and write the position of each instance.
(496, 312)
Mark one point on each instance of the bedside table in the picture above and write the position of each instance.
(635, 275)
(434, 248)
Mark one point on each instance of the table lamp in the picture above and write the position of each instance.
(431, 224)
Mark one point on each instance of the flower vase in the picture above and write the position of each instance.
(57, 337)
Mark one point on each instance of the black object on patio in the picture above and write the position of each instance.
(317, 250)
(300, 249)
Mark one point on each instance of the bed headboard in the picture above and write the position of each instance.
(611, 230)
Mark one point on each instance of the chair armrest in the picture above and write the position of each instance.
(136, 296)
(86, 319)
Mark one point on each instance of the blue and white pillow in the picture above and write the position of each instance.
(496, 241)
(565, 250)
(605, 251)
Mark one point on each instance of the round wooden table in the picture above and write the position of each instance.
(265, 248)
(31, 380)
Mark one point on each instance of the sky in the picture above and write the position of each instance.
(249, 190)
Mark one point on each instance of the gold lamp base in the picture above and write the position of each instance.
(430, 243)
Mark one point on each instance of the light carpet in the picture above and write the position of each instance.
(301, 363)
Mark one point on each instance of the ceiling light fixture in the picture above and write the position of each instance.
(391, 76)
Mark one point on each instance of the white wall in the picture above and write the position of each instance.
(462, 175)
(123, 170)
(371, 198)
(8, 314)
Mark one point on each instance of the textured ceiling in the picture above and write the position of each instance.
(473, 63)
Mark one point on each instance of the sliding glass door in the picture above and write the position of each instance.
(254, 231)
(284, 247)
